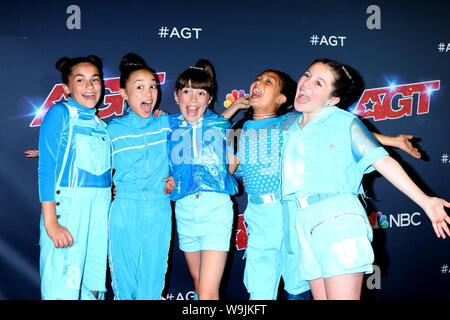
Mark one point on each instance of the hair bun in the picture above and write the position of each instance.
(132, 61)
(207, 67)
(61, 63)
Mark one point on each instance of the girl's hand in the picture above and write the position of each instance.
(170, 185)
(158, 112)
(403, 143)
(434, 208)
(241, 103)
(31, 153)
(60, 236)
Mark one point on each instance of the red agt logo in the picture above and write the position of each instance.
(241, 233)
(112, 101)
(396, 101)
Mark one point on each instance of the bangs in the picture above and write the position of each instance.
(196, 79)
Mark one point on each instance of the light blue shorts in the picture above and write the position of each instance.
(335, 237)
(204, 221)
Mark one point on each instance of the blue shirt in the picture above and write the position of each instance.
(53, 137)
(330, 154)
(198, 155)
(140, 155)
(260, 146)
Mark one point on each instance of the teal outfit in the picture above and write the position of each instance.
(198, 160)
(322, 168)
(140, 218)
(75, 172)
(267, 257)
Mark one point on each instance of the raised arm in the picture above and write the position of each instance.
(240, 104)
(433, 207)
(402, 142)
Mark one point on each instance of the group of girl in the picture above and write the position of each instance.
(302, 172)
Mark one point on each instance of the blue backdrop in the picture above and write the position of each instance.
(401, 49)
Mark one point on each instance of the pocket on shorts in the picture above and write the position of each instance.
(341, 226)
(93, 153)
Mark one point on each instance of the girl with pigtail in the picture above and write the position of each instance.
(74, 187)
(199, 166)
(140, 216)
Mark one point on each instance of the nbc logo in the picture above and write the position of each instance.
(378, 220)
(232, 97)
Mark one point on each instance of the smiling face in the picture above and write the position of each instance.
(265, 93)
(84, 85)
(141, 92)
(314, 89)
(193, 103)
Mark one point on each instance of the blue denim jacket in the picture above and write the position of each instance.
(198, 155)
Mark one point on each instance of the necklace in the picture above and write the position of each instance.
(264, 116)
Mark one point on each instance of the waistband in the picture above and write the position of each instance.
(304, 202)
(141, 195)
(264, 198)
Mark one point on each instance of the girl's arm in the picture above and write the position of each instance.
(402, 142)
(240, 104)
(233, 162)
(60, 236)
(433, 207)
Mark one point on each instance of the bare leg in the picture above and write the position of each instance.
(193, 262)
(212, 264)
(344, 287)
(318, 289)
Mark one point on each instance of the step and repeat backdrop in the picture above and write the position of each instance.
(400, 48)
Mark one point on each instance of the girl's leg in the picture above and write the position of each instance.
(344, 287)
(318, 289)
(212, 264)
(193, 262)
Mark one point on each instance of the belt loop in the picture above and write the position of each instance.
(302, 202)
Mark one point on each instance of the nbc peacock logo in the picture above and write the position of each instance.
(232, 97)
(378, 220)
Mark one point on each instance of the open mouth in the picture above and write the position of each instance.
(256, 93)
(147, 106)
(89, 96)
(302, 97)
(192, 111)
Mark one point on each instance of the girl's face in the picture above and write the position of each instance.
(85, 85)
(314, 89)
(193, 103)
(141, 92)
(265, 92)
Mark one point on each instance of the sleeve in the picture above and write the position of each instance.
(365, 148)
(52, 127)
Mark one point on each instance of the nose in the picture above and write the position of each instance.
(89, 84)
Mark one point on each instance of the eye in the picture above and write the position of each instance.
(318, 83)
(153, 86)
(140, 87)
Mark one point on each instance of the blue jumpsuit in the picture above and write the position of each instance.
(203, 209)
(322, 168)
(75, 172)
(140, 216)
(267, 258)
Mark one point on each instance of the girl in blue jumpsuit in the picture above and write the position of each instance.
(326, 153)
(203, 210)
(272, 246)
(140, 215)
(74, 187)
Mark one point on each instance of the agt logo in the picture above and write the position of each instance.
(241, 233)
(378, 220)
(396, 101)
(232, 97)
(112, 103)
